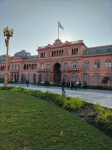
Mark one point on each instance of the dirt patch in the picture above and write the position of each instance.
(88, 114)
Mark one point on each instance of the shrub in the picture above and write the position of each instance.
(61, 99)
(74, 103)
(6, 87)
(91, 114)
(98, 107)
(104, 114)
(108, 125)
(102, 117)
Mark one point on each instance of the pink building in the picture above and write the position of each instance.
(73, 61)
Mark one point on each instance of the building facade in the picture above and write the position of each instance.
(73, 61)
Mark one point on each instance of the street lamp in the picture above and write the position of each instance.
(8, 33)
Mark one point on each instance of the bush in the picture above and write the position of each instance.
(104, 114)
(61, 99)
(108, 125)
(100, 87)
(6, 87)
(74, 103)
(98, 107)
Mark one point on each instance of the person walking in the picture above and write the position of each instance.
(27, 82)
(79, 84)
(63, 86)
(85, 85)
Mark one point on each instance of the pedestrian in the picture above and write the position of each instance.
(72, 86)
(38, 83)
(79, 84)
(63, 86)
(85, 85)
(27, 82)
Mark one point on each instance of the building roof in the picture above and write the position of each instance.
(33, 57)
(25, 55)
(98, 50)
(3, 58)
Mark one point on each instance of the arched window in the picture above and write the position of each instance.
(18, 67)
(66, 66)
(108, 64)
(96, 77)
(97, 64)
(74, 64)
(74, 78)
(24, 68)
(42, 66)
(41, 77)
(86, 77)
(12, 67)
(86, 65)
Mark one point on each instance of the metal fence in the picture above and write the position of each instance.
(34, 79)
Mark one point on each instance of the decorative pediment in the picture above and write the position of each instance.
(57, 42)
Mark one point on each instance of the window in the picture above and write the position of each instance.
(75, 51)
(48, 66)
(42, 66)
(65, 77)
(96, 77)
(74, 78)
(74, 64)
(12, 67)
(32, 67)
(86, 65)
(41, 77)
(108, 50)
(97, 64)
(86, 77)
(108, 64)
(42, 55)
(97, 51)
(66, 66)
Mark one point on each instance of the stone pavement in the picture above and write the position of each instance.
(103, 97)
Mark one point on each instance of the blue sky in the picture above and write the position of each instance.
(35, 23)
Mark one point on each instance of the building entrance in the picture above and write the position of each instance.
(57, 73)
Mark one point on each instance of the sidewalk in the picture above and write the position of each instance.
(103, 97)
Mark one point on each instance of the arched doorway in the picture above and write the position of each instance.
(57, 73)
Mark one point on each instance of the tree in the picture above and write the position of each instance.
(105, 80)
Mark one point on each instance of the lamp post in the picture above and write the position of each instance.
(8, 33)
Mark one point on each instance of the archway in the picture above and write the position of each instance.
(57, 73)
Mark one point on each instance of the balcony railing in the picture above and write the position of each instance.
(18, 70)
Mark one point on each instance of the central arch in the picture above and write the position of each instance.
(57, 73)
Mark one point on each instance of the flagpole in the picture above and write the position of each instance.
(58, 29)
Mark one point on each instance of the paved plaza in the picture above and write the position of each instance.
(103, 97)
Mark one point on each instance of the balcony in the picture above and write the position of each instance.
(14, 71)
(71, 69)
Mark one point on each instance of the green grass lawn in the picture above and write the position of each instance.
(29, 123)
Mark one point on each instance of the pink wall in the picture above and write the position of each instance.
(44, 67)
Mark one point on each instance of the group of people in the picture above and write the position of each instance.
(77, 85)
(73, 85)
